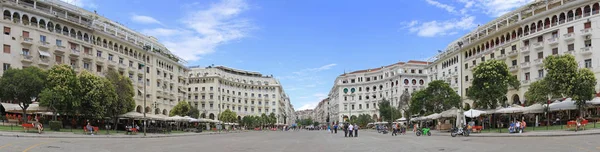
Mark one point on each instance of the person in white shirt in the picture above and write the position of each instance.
(518, 126)
(350, 128)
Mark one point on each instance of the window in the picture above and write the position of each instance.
(110, 57)
(130, 63)
(6, 48)
(25, 52)
(352, 107)
(571, 47)
(345, 107)
(482, 59)
(540, 73)
(474, 62)
(492, 55)
(527, 76)
(587, 25)
(86, 65)
(467, 78)
(588, 63)
(527, 58)
(58, 59)
(420, 71)
(6, 30)
(25, 34)
(570, 30)
(554, 51)
(367, 106)
(98, 53)
(555, 34)
(120, 60)
(514, 62)
(58, 42)
(502, 51)
(466, 65)
(359, 106)
(540, 55)
(540, 38)
(514, 47)
(588, 43)
(5, 66)
(42, 38)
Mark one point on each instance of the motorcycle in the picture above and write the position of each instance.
(459, 131)
(423, 131)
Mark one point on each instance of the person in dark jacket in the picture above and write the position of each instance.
(355, 130)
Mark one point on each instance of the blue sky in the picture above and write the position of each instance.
(306, 44)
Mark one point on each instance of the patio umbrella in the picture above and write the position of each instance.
(511, 109)
(595, 101)
(535, 108)
(453, 112)
(433, 116)
(567, 104)
(473, 113)
(132, 115)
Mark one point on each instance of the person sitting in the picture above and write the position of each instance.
(511, 128)
(90, 128)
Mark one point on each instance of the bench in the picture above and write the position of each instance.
(131, 131)
(573, 124)
(27, 126)
(477, 128)
(85, 131)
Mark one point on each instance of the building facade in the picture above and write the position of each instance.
(523, 38)
(52, 32)
(305, 114)
(321, 112)
(359, 92)
(214, 89)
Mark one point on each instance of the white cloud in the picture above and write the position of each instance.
(316, 98)
(206, 29)
(82, 3)
(144, 19)
(308, 106)
(496, 8)
(441, 28)
(443, 6)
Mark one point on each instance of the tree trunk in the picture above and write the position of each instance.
(24, 115)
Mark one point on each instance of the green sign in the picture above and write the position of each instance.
(345, 90)
(352, 90)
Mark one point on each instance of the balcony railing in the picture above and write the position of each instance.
(553, 40)
(538, 45)
(512, 53)
(586, 50)
(538, 61)
(525, 65)
(524, 49)
(586, 32)
(513, 68)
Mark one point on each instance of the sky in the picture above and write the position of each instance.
(305, 44)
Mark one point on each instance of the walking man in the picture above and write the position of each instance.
(350, 129)
(345, 127)
(335, 128)
(394, 130)
(355, 130)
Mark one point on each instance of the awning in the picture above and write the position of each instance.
(44, 53)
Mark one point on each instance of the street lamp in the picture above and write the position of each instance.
(391, 101)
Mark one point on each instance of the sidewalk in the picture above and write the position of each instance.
(101, 135)
(550, 133)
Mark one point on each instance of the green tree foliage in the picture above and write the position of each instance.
(272, 119)
(264, 119)
(228, 116)
(583, 88)
(537, 93)
(316, 123)
(251, 121)
(22, 86)
(181, 109)
(363, 120)
(388, 113)
(194, 112)
(562, 69)
(123, 87)
(96, 95)
(437, 97)
(61, 91)
(305, 122)
(490, 84)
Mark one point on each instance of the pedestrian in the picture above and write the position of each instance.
(394, 130)
(335, 128)
(518, 126)
(350, 129)
(355, 130)
(345, 128)
(523, 125)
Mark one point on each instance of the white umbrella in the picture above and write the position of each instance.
(535, 108)
(512, 109)
(594, 101)
(473, 113)
(568, 104)
(450, 113)
(401, 119)
(133, 115)
(433, 116)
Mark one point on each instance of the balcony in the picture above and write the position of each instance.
(538, 45)
(75, 52)
(513, 68)
(26, 41)
(572, 52)
(586, 50)
(569, 36)
(502, 56)
(512, 53)
(524, 49)
(525, 82)
(44, 62)
(539, 62)
(454, 85)
(26, 58)
(553, 41)
(525, 65)
(586, 32)
(88, 56)
(44, 45)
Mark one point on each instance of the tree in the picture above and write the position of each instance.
(264, 119)
(272, 119)
(363, 120)
(22, 86)
(60, 93)
(96, 94)
(228, 116)
(437, 97)
(181, 109)
(388, 113)
(194, 113)
(491, 80)
(583, 88)
(404, 101)
(123, 87)
(562, 69)
(537, 92)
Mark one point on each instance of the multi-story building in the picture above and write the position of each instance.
(523, 38)
(52, 32)
(359, 92)
(321, 112)
(214, 89)
(305, 114)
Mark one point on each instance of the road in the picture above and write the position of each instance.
(303, 141)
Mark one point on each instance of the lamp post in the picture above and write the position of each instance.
(144, 70)
(391, 101)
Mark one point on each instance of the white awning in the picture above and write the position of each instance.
(44, 53)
